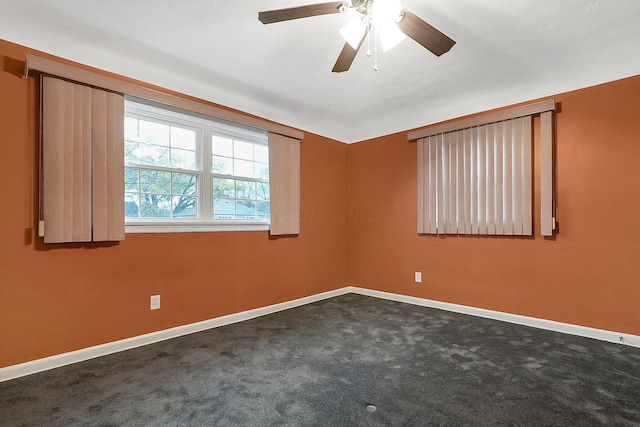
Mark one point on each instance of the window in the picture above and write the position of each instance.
(189, 173)
(478, 180)
(104, 209)
(475, 174)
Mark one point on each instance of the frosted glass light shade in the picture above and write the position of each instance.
(353, 32)
(385, 12)
(390, 35)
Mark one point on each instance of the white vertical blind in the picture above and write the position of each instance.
(491, 178)
(482, 181)
(527, 177)
(498, 166)
(473, 140)
(477, 180)
(423, 189)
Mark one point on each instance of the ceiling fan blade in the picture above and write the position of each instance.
(425, 34)
(279, 15)
(346, 57)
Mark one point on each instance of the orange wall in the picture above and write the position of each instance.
(588, 275)
(59, 298)
(358, 228)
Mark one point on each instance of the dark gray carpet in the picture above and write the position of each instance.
(322, 365)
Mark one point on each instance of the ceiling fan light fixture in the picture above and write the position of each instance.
(385, 18)
(385, 12)
(390, 35)
(353, 32)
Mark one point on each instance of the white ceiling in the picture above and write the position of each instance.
(507, 51)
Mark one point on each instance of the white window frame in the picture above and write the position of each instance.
(205, 127)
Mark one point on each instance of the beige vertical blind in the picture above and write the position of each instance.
(475, 176)
(108, 166)
(478, 180)
(547, 218)
(284, 182)
(82, 163)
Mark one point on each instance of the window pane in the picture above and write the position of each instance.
(184, 183)
(243, 150)
(131, 179)
(243, 168)
(154, 133)
(130, 151)
(183, 159)
(183, 138)
(245, 209)
(131, 128)
(155, 206)
(264, 209)
(185, 207)
(262, 170)
(262, 153)
(223, 165)
(152, 181)
(262, 192)
(156, 155)
(223, 208)
(224, 188)
(245, 189)
(131, 205)
(222, 146)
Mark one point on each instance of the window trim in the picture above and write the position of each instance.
(184, 226)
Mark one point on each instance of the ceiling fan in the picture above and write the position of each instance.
(389, 22)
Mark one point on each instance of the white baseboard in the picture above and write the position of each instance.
(567, 328)
(39, 365)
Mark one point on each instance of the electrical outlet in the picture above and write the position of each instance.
(155, 302)
(418, 277)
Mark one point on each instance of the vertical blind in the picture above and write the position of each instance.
(82, 163)
(475, 175)
(284, 182)
(477, 180)
(108, 166)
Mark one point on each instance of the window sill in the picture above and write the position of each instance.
(193, 227)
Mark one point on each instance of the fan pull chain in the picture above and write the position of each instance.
(368, 40)
(375, 50)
